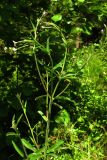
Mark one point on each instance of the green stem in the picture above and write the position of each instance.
(62, 91)
(41, 78)
(48, 107)
(31, 130)
(64, 60)
(47, 128)
(55, 89)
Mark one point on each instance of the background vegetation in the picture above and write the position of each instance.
(53, 80)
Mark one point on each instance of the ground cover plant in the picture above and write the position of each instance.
(53, 74)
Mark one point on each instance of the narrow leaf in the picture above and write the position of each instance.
(41, 113)
(19, 119)
(24, 107)
(19, 151)
(12, 134)
(14, 125)
(28, 145)
(43, 116)
(63, 98)
(47, 46)
(67, 76)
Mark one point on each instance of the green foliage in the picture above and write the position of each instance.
(18, 149)
(63, 118)
(50, 82)
(56, 17)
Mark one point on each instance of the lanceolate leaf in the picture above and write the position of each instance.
(63, 98)
(43, 116)
(12, 134)
(28, 145)
(19, 151)
(19, 119)
(47, 46)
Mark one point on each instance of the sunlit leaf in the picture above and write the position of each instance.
(80, 119)
(28, 145)
(38, 154)
(25, 107)
(81, 1)
(34, 156)
(43, 116)
(57, 17)
(41, 113)
(77, 30)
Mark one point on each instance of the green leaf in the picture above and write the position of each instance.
(34, 156)
(81, 1)
(80, 119)
(43, 116)
(24, 107)
(19, 151)
(63, 98)
(19, 119)
(10, 136)
(41, 113)
(77, 30)
(63, 117)
(55, 146)
(38, 154)
(59, 65)
(57, 17)
(47, 46)
(67, 76)
(28, 145)
(14, 125)
(86, 30)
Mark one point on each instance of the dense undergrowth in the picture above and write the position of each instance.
(68, 95)
(53, 87)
